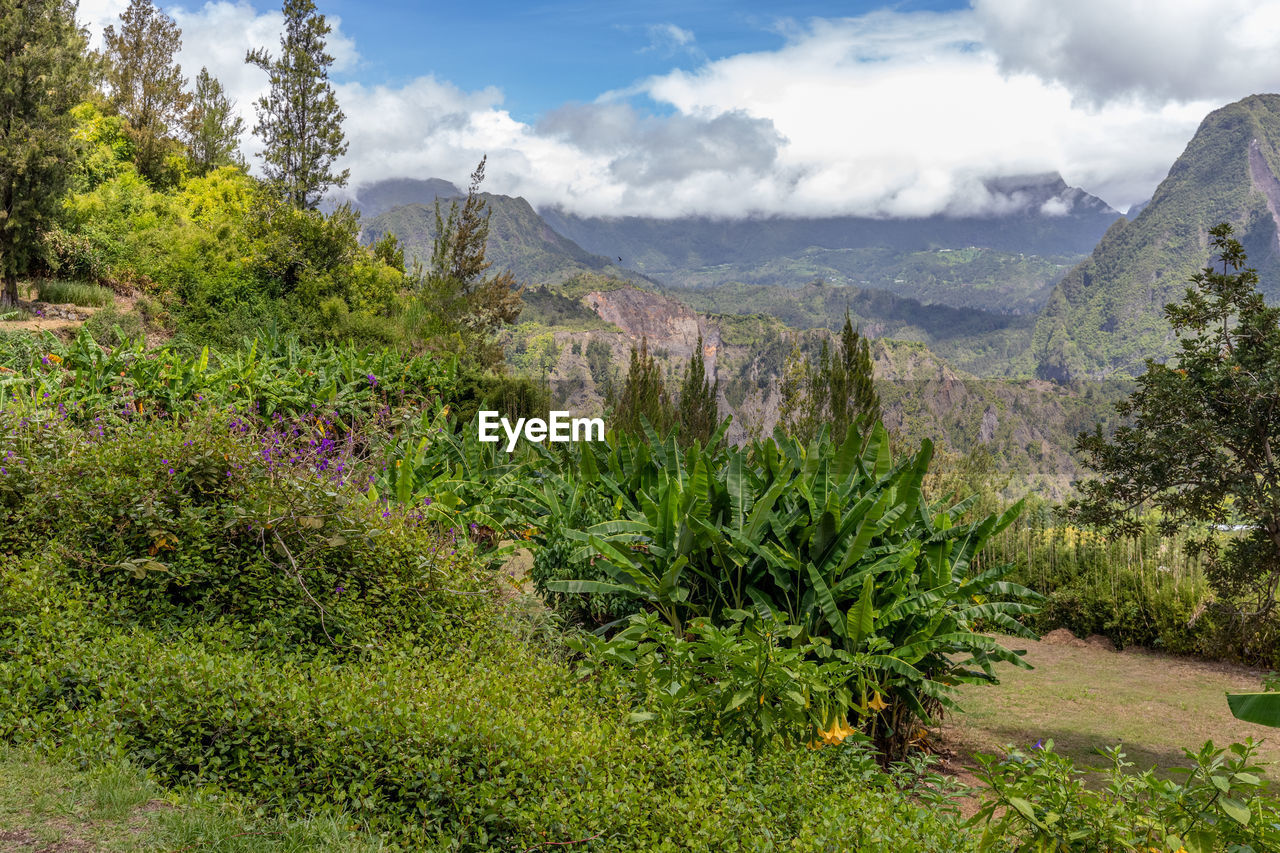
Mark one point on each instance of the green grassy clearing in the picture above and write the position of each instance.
(1089, 698)
(74, 292)
(52, 807)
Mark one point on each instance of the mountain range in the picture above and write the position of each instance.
(1105, 317)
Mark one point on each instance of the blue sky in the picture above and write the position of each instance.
(749, 108)
(544, 54)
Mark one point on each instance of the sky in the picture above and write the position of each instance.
(731, 109)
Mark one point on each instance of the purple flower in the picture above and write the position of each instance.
(1039, 745)
(339, 590)
(373, 380)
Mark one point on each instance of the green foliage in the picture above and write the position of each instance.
(836, 393)
(749, 682)
(457, 301)
(551, 307)
(112, 328)
(698, 411)
(146, 85)
(74, 292)
(207, 520)
(225, 255)
(1260, 708)
(45, 74)
(599, 362)
(643, 398)
(832, 538)
(1200, 446)
(1040, 802)
(299, 120)
(476, 745)
(211, 129)
(267, 376)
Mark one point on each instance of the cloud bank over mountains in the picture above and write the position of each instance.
(887, 114)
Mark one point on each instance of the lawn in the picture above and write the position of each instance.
(50, 807)
(1086, 697)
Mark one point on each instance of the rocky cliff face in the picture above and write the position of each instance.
(668, 325)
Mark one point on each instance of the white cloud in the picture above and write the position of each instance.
(897, 114)
(1154, 49)
(669, 39)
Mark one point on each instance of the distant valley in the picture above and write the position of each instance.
(968, 312)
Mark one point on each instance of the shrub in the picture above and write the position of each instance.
(209, 520)
(835, 539)
(480, 745)
(1039, 801)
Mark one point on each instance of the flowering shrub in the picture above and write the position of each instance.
(749, 681)
(213, 519)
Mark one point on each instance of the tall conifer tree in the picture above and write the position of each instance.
(644, 396)
(299, 118)
(837, 391)
(147, 86)
(211, 128)
(699, 412)
(44, 74)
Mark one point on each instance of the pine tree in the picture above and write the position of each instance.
(699, 412)
(211, 129)
(44, 74)
(644, 396)
(837, 391)
(147, 87)
(463, 300)
(299, 119)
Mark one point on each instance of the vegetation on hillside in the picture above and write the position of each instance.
(280, 574)
(1104, 318)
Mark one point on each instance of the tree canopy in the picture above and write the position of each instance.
(45, 75)
(146, 83)
(299, 119)
(1201, 449)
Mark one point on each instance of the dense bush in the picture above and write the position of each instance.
(208, 520)
(267, 375)
(222, 249)
(464, 740)
(834, 538)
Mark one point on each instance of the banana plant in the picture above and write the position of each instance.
(832, 537)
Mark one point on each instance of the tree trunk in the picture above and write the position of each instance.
(9, 293)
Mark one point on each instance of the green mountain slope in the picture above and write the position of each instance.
(1105, 316)
(519, 240)
(1006, 263)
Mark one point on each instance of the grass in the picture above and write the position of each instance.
(50, 807)
(1088, 698)
(74, 292)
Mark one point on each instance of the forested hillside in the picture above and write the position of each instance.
(1106, 316)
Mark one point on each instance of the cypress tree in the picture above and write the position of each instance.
(44, 74)
(644, 395)
(836, 391)
(299, 119)
(699, 411)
